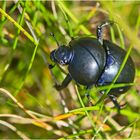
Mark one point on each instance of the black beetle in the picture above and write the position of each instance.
(94, 61)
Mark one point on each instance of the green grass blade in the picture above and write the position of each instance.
(18, 26)
(28, 70)
(75, 20)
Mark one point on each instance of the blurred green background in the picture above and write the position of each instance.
(25, 45)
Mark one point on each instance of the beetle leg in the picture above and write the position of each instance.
(65, 82)
(88, 95)
(51, 66)
(89, 99)
(114, 100)
(100, 29)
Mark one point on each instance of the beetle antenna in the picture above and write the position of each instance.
(55, 39)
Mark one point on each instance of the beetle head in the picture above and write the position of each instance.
(62, 55)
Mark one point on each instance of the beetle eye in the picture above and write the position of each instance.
(61, 62)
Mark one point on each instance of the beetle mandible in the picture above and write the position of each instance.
(95, 61)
